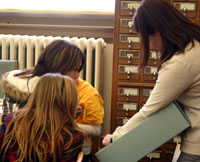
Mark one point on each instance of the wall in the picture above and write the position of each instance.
(54, 24)
(107, 88)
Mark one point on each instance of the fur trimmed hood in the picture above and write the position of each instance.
(13, 91)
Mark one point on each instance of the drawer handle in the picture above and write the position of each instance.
(154, 73)
(128, 97)
(129, 58)
(127, 110)
(184, 9)
(128, 74)
(129, 41)
(155, 58)
(131, 8)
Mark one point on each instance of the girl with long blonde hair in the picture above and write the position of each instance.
(45, 129)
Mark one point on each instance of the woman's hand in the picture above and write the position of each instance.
(106, 139)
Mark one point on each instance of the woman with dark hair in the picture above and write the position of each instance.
(59, 56)
(164, 29)
(45, 128)
(63, 57)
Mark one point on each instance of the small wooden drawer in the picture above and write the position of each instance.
(127, 8)
(188, 8)
(153, 58)
(128, 72)
(128, 94)
(129, 41)
(150, 73)
(132, 57)
(126, 26)
(121, 121)
(127, 109)
(126, 106)
(153, 156)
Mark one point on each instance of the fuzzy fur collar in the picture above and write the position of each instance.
(11, 90)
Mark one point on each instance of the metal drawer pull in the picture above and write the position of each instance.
(129, 41)
(154, 73)
(128, 97)
(129, 58)
(128, 74)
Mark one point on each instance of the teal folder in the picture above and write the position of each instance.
(147, 136)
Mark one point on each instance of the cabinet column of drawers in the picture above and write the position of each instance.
(131, 88)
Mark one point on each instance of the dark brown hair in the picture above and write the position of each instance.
(175, 29)
(60, 56)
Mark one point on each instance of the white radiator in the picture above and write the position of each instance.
(26, 50)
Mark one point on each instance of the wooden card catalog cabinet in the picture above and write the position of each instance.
(128, 7)
(131, 88)
(129, 57)
(189, 9)
(129, 41)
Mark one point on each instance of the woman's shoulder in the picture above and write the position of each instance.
(184, 62)
(190, 53)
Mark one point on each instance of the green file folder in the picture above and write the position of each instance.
(147, 136)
